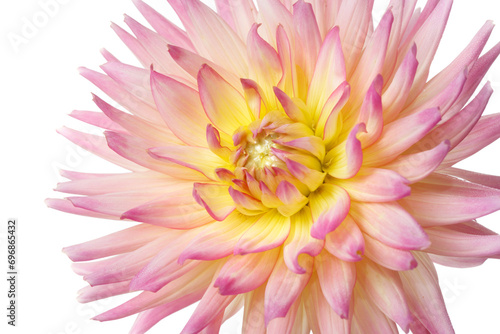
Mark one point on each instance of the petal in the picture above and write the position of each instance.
(245, 273)
(389, 257)
(395, 96)
(337, 279)
(329, 73)
(224, 106)
(310, 177)
(300, 241)
(214, 39)
(391, 224)
(375, 185)
(291, 197)
(443, 200)
(211, 305)
(321, 317)
(353, 20)
(179, 212)
(469, 240)
(216, 240)
(344, 160)
(485, 132)
(346, 242)
(135, 125)
(400, 135)
(309, 37)
(385, 290)
(371, 114)
(459, 126)
(265, 66)
(135, 149)
(164, 27)
(415, 167)
(97, 145)
(426, 300)
(114, 243)
(368, 319)
(372, 60)
(329, 206)
(283, 288)
(215, 199)
(268, 232)
(198, 158)
(253, 321)
(180, 108)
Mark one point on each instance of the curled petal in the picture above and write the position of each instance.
(329, 206)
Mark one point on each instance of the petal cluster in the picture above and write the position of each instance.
(290, 159)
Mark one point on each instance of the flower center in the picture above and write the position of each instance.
(260, 155)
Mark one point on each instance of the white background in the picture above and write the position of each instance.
(40, 86)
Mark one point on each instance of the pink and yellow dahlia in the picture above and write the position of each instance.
(293, 161)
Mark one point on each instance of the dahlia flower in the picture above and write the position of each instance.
(288, 158)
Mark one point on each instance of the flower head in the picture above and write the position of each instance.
(294, 161)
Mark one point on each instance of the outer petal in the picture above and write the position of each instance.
(337, 279)
(245, 273)
(443, 200)
(376, 185)
(426, 300)
(417, 166)
(198, 158)
(390, 224)
(283, 288)
(400, 135)
(385, 290)
(180, 107)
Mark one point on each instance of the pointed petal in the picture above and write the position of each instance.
(384, 288)
(224, 106)
(375, 185)
(442, 200)
(180, 108)
(415, 167)
(426, 300)
(337, 279)
(391, 224)
(400, 135)
(283, 288)
(245, 273)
